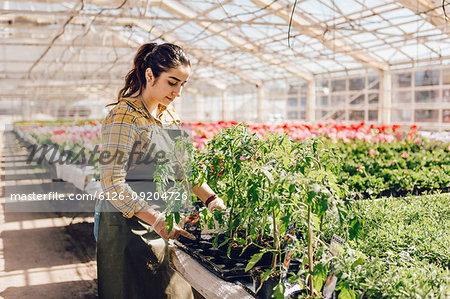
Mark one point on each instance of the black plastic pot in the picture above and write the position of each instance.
(266, 290)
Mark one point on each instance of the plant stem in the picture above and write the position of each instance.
(321, 223)
(275, 240)
(262, 230)
(232, 205)
(310, 253)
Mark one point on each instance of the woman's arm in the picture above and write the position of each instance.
(205, 194)
(119, 134)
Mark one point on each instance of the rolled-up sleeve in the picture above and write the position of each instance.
(119, 135)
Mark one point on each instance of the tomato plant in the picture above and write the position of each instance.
(269, 183)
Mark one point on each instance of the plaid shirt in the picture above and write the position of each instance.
(127, 124)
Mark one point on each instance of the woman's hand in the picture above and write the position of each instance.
(213, 201)
(217, 203)
(160, 228)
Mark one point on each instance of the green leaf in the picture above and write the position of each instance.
(169, 223)
(177, 217)
(230, 193)
(347, 293)
(320, 276)
(355, 229)
(254, 259)
(360, 260)
(205, 213)
(339, 248)
(224, 242)
(285, 162)
(293, 278)
(315, 221)
(279, 291)
(292, 188)
(315, 146)
(321, 207)
(268, 174)
(313, 191)
(265, 276)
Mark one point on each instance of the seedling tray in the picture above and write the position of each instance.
(217, 261)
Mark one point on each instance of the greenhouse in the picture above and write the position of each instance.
(225, 149)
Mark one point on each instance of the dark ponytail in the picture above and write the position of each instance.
(159, 58)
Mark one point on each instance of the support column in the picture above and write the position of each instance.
(311, 101)
(260, 103)
(384, 107)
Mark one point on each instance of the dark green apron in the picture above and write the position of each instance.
(132, 260)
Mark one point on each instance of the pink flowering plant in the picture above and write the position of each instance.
(408, 165)
(76, 143)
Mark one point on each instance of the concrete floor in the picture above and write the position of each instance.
(42, 254)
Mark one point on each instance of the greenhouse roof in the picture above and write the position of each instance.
(87, 45)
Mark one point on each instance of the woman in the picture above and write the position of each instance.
(132, 245)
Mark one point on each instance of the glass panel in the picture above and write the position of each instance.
(302, 114)
(426, 78)
(292, 115)
(324, 101)
(358, 100)
(320, 114)
(293, 89)
(401, 115)
(401, 80)
(324, 83)
(356, 83)
(446, 96)
(426, 116)
(373, 115)
(446, 116)
(338, 115)
(375, 85)
(338, 100)
(373, 98)
(303, 102)
(338, 85)
(402, 97)
(446, 76)
(356, 115)
(292, 102)
(427, 96)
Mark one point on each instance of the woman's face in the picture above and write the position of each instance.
(169, 84)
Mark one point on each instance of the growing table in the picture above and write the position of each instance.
(201, 279)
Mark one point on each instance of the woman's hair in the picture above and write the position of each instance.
(159, 58)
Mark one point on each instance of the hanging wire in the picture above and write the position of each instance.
(230, 17)
(290, 24)
(443, 9)
(54, 40)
